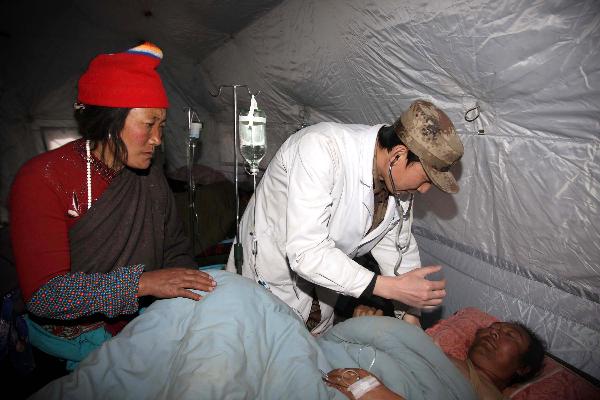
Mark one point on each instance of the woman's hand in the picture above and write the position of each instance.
(174, 282)
(363, 311)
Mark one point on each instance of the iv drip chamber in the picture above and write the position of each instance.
(195, 128)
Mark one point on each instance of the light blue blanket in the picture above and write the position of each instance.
(241, 342)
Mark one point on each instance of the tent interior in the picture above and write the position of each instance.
(519, 79)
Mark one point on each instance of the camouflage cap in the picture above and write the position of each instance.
(428, 132)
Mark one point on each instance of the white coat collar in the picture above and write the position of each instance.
(367, 143)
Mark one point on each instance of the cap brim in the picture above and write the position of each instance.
(444, 181)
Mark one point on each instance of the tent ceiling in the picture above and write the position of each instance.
(192, 27)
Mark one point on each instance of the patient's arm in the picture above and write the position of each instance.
(362, 311)
(343, 378)
(412, 319)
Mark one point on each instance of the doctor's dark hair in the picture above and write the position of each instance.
(103, 125)
(387, 138)
(533, 358)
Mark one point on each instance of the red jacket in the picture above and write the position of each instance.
(42, 194)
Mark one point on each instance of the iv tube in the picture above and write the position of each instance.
(194, 127)
(253, 145)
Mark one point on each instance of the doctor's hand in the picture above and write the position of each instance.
(174, 282)
(412, 288)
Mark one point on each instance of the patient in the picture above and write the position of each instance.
(502, 354)
(242, 342)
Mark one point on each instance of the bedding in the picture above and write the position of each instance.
(241, 342)
(456, 333)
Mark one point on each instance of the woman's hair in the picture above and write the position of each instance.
(104, 125)
(532, 358)
(388, 139)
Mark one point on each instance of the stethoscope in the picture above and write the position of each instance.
(404, 214)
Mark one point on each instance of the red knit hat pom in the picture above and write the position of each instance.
(127, 80)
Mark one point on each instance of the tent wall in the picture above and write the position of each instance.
(529, 199)
(568, 323)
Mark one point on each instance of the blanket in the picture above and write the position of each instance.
(241, 342)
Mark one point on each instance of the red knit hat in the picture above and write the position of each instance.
(127, 80)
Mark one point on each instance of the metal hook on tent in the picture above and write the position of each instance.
(253, 94)
(472, 115)
(218, 93)
(234, 87)
(470, 110)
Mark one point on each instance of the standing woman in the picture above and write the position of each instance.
(94, 226)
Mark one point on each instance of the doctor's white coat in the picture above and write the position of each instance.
(310, 216)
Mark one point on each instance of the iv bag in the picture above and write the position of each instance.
(195, 128)
(253, 138)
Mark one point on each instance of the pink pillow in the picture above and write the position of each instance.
(456, 333)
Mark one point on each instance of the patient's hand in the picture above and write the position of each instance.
(342, 378)
(363, 311)
(412, 319)
(174, 282)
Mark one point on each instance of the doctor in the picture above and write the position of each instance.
(333, 192)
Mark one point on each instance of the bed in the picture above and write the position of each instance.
(241, 342)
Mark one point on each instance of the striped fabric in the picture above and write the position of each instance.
(148, 49)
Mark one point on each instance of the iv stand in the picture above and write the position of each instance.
(238, 255)
(193, 139)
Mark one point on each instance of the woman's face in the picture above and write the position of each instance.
(141, 134)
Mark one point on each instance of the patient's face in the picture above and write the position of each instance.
(499, 348)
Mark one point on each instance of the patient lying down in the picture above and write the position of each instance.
(502, 354)
(242, 342)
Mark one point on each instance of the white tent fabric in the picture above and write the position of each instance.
(525, 221)
(520, 240)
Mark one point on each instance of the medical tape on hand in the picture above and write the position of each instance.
(362, 386)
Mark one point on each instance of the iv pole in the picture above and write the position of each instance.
(194, 127)
(238, 255)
